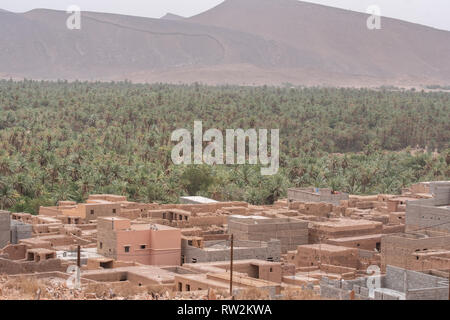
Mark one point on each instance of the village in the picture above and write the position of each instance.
(316, 244)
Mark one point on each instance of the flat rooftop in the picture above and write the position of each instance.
(158, 274)
(198, 199)
(346, 224)
(325, 247)
(148, 226)
(238, 216)
(355, 238)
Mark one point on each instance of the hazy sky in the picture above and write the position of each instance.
(435, 13)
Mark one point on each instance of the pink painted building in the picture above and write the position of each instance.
(150, 244)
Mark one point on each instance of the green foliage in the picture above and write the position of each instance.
(197, 179)
(64, 141)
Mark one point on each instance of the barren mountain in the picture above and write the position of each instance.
(171, 16)
(239, 41)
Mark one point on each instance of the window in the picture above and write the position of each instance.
(127, 248)
(142, 246)
(101, 245)
(190, 242)
(180, 286)
(188, 287)
(270, 259)
(114, 210)
(271, 270)
(92, 211)
(194, 260)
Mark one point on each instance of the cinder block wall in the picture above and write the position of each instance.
(243, 250)
(291, 233)
(427, 213)
(20, 230)
(5, 228)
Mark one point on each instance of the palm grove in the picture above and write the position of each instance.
(64, 141)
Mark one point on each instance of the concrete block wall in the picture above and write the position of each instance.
(20, 230)
(428, 294)
(418, 284)
(243, 250)
(441, 192)
(5, 228)
(290, 232)
(429, 212)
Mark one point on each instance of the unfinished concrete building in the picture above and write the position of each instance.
(291, 232)
(316, 195)
(432, 214)
(219, 250)
(396, 284)
(149, 244)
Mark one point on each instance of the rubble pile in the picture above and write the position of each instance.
(28, 288)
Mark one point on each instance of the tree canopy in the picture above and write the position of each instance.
(63, 141)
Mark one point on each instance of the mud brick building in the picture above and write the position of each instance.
(411, 250)
(324, 254)
(343, 227)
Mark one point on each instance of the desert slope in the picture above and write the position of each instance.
(238, 42)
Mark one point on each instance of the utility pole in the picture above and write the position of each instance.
(231, 266)
(79, 256)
